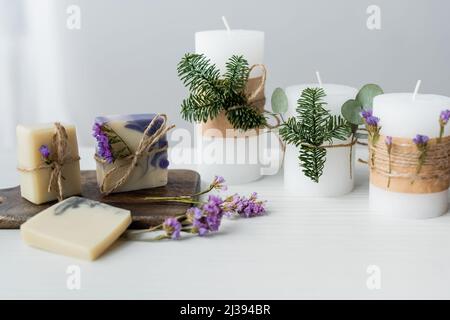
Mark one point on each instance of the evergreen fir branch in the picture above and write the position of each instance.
(312, 160)
(200, 108)
(337, 128)
(313, 126)
(291, 132)
(245, 118)
(196, 73)
(210, 94)
(236, 76)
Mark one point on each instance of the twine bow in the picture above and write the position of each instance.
(147, 141)
(60, 157)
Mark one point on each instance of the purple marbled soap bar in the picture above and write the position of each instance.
(118, 137)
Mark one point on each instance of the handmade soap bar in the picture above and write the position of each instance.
(48, 155)
(119, 143)
(76, 227)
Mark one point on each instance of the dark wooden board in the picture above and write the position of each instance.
(15, 210)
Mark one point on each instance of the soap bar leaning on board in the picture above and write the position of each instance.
(76, 227)
(118, 138)
(35, 172)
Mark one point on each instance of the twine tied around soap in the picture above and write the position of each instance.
(60, 156)
(146, 142)
(399, 169)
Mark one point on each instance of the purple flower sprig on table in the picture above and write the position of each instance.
(444, 117)
(45, 154)
(244, 207)
(421, 142)
(205, 217)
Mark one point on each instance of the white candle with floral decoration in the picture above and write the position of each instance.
(337, 177)
(413, 121)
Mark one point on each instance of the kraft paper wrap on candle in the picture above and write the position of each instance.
(434, 175)
(59, 158)
(220, 126)
(124, 167)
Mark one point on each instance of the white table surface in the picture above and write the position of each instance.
(303, 248)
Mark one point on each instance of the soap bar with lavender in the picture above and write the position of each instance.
(37, 157)
(118, 137)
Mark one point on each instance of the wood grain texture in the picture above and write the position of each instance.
(14, 210)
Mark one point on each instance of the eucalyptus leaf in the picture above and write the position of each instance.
(279, 101)
(367, 93)
(351, 112)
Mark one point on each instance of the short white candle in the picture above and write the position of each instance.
(403, 116)
(219, 46)
(336, 179)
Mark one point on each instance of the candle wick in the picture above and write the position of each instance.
(416, 90)
(319, 79)
(225, 22)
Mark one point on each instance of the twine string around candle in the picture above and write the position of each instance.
(146, 142)
(60, 157)
(402, 162)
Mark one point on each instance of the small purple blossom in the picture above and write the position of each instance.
(103, 145)
(245, 207)
(198, 220)
(366, 114)
(388, 140)
(44, 151)
(369, 118)
(420, 140)
(444, 117)
(219, 183)
(172, 227)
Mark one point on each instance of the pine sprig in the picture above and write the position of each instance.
(245, 118)
(311, 128)
(211, 94)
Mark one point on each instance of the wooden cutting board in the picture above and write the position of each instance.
(14, 210)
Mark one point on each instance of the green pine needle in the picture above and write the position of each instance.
(311, 128)
(210, 94)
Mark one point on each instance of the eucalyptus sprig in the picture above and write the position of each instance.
(311, 128)
(210, 93)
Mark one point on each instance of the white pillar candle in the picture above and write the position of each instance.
(404, 117)
(219, 46)
(337, 179)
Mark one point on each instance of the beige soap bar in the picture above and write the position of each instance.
(34, 181)
(76, 227)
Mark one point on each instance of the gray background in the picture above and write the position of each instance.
(124, 57)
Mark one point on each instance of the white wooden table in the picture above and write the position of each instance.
(304, 248)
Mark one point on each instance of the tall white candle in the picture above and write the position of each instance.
(220, 45)
(336, 179)
(403, 115)
(213, 152)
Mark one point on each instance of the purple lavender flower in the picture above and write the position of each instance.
(44, 151)
(245, 207)
(219, 183)
(366, 114)
(369, 118)
(103, 145)
(421, 140)
(444, 117)
(388, 140)
(172, 227)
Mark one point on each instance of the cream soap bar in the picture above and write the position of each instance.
(118, 138)
(76, 227)
(37, 150)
